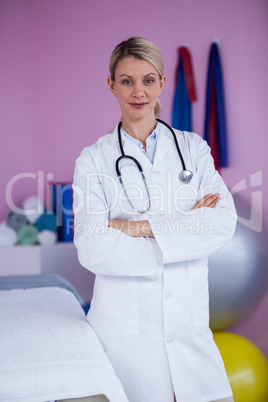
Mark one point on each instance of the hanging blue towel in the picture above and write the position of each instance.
(181, 113)
(185, 92)
(216, 134)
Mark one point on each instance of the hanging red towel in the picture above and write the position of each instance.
(188, 72)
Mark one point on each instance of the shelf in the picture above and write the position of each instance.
(60, 258)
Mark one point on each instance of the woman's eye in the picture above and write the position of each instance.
(127, 82)
(149, 80)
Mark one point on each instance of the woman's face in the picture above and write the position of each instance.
(137, 86)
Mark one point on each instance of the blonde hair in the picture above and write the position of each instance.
(141, 48)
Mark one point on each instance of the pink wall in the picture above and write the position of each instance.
(54, 62)
(54, 65)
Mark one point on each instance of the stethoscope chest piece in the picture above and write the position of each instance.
(186, 176)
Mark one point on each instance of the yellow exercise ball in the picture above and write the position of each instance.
(246, 367)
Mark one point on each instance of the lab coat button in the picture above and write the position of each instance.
(155, 172)
(170, 340)
(168, 295)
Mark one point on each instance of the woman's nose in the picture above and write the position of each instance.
(138, 91)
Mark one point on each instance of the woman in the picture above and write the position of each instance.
(149, 254)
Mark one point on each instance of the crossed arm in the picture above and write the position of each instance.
(143, 229)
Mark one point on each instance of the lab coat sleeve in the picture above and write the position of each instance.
(197, 233)
(101, 249)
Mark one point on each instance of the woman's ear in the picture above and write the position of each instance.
(162, 83)
(111, 86)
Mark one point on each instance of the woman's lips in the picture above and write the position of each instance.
(138, 105)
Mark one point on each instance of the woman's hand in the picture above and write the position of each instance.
(132, 228)
(209, 201)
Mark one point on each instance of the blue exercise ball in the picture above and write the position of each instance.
(238, 272)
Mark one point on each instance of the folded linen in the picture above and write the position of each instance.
(8, 236)
(38, 281)
(33, 208)
(47, 237)
(47, 221)
(27, 234)
(15, 220)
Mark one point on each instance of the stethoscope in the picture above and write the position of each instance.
(185, 175)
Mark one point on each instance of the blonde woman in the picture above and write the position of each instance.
(146, 233)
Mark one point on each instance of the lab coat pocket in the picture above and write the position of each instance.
(114, 307)
(198, 275)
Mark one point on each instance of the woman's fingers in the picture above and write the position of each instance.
(200, 203)
(209, 201)
(213, 201)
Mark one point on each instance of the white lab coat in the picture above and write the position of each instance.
(150, 302)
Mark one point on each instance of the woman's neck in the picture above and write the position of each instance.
(140, 129)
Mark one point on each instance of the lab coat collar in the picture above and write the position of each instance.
(163, 143)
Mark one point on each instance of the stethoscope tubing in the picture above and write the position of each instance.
(123, 155)
(185, 176)
(176, 142)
